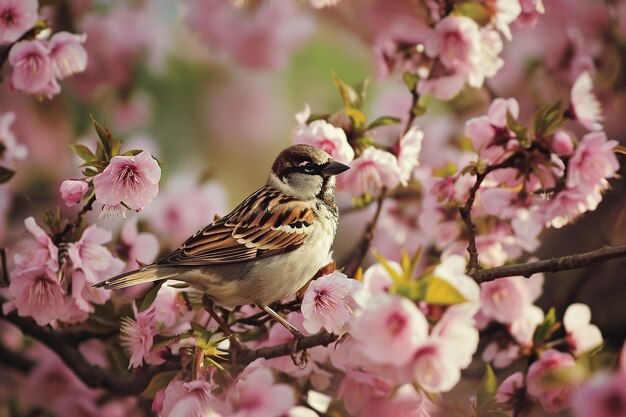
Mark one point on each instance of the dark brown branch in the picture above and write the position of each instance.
(262, 317)
(13, 359)
(564, 263)
(269, 352)
(366, 240)
(93, 376)
(71, 227)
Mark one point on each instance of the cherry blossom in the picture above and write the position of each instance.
(399, 326)
(603, 395)
(456, 43)
(321, 134)
(582, 336)
(553, 396)
(562, 143)
(16, 17)
(328, 303)
(509, 387)
(137, 337)
(132, 180)
(410, 146)
(584, 106)
(33, 70)
(257, 395)
(89, 254)
(370, 172)
(38, 253)
(140, 248)
(72, 191)
(68, 54)
(37, 293)
(193, 399)
(593, 161)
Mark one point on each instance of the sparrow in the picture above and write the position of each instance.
(268, 247)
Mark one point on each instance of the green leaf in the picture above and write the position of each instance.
(395, 275)
(157, 382)
(105, 138)
(317, 116)
(348, 94)
(384, 121)
(475, 11)
(356, 115)
(548, 119)
(149, 298)
(520, 131)
(546, 328)
(438, 291)
(83, 152)
(410, 79)
(487, 388)
(6, 174)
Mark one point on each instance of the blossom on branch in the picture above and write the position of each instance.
(16, 18)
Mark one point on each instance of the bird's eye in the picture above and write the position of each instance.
(309, 169)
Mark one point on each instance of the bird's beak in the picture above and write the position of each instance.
(334, 168)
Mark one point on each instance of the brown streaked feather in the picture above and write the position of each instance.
(265, 224)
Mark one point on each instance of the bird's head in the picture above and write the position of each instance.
(305, 172)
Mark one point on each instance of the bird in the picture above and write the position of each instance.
(267, 248)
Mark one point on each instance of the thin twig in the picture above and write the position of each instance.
(564, 263)
(366, 240)
(71, 227)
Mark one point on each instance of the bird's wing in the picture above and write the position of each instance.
(265, 224)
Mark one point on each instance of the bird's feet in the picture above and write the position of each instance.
(303, 359)
(209, 306)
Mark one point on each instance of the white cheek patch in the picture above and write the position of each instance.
(297, 230)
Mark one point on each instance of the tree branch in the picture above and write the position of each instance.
(321, 339)
(93, 376)
(366, 240)
(563, 263)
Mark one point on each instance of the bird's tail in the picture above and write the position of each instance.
(146, 274)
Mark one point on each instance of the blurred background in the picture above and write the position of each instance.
(211, 88)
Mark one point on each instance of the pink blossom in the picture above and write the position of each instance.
(133, 180)
(562, 143)
(433, 366)
(406, 402)
(603, 395)
(33, 70)
(592, 161)
(261, 37)
(370, 172)
(68, 54)
(408, 153)
(140, 248)
(456, 43)
(554, 396)
(509, 387)
(72, 191)
(582, 336)
(184, 206)
(89, 254)
(84, 295)
(389, 329)
(16, 17)
(489, 61)
(504, 13)
(505, 299)
(256, 395)
(485, 130)
(189, 399)
(585, 106)
(500, 356)
(321, 134)
(137, 336)
(569, 204)
(12, 151)
(358, 388)
(37, 293)
(523, 328)
(377, 279)
(328, 303)
(171, 310)
(41, 252)
(457, 330)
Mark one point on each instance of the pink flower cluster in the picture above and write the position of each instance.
(12, 151)
(275, 29)
(35, 288)
(253, 393)
(372, 170)
(38, 65)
